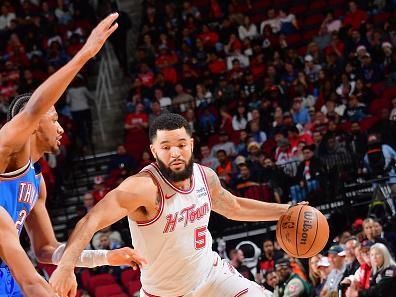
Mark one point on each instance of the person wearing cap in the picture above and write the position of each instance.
(336, 256)
(299, 112)
(99, 189)
(387, 49)
(311, 69)
(362, 274)
(290, 284)
(383, 275)
(324, 271)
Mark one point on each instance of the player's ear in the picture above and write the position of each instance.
(152, 149)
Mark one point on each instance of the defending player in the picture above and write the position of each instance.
(32, 130)
(168, 205)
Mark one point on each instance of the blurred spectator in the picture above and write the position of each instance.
(355, 17)
(207, 159)
(111, 239)
(224, 169)
(361, 278)
(78, 97)
(247, 30)
(224, 144)
(268, 258)
(300, 114)
(88, 201)
(385, 236)
(100, 189)
(290, 284)
(270, 280)
(236, 258)
(336, 255)
(241, 118)
(136, 139)
(351, 261)
(309, 173)
(121, 160)
(383, 275)
(324, 271)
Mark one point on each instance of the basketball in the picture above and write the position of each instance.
(302, 232)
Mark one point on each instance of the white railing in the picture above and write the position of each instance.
(103, 85)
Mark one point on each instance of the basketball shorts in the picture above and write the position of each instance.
(223, 281)
(8, 286)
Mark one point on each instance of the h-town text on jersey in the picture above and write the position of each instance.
(187, 215)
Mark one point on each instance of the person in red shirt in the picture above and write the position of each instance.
(146, 76)
(224, 170)
(100, 189)
(216, 64)
(136, 139)
(355, 17)
(208, 37)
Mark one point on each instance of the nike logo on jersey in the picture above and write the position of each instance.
(169, 196)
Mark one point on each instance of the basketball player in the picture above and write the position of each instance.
(32, 130)
(168, 205)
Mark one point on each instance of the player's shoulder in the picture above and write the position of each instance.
(207, 170)
(141, 182)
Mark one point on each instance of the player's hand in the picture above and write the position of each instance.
(100, 34)
(38, 288)
(303, 203)
(125, 257)
(64, 282)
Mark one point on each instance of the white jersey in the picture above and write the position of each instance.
(176, 242)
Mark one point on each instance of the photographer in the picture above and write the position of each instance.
(380, 160)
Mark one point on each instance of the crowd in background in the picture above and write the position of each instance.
(287, 100)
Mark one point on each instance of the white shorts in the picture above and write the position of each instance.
(223, 281)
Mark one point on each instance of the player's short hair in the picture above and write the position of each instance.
(168, 122)
(17, 105)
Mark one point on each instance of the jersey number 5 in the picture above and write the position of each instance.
(200, 237)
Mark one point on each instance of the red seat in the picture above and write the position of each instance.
(378, 89)
(134, 286)
(100, 280)
(309, 35)
(314, 20)
(129, 275)
(381, 18)
(318, 5)
(119, 295)
(298, 9)
(85, 276)
(390, 93)
(293, 39)
(108, 290)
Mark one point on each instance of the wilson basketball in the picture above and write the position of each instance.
(302, 232)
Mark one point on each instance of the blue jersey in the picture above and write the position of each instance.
(18, 195)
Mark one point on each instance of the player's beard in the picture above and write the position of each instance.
(176, 176)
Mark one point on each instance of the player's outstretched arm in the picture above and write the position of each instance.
(238, 208)
(14, 134)
(12, 253)
(48, 250)
(122, 201)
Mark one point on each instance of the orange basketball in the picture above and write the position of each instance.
(302, 232)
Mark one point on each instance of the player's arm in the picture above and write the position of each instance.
(130, 195)
(14, 134)
(48, 250)
(238, 208)
(12, 253)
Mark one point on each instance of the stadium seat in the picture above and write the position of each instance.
(108, 290)
(134, 286)
(85, 276)
(119, 295)
(129, 275)
(100, 280)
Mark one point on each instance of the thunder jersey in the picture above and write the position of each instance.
(19, 192)
(176, 242)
